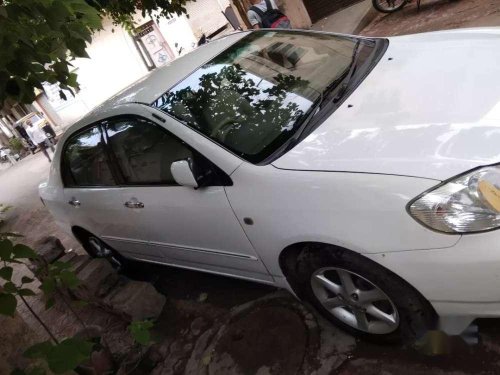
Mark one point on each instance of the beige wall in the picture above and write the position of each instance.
(296, 11)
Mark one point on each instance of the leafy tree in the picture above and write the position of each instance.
(39, 38)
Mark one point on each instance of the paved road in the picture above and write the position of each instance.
(19, 183)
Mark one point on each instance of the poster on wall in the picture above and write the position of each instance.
(54, 97)
(149, 36)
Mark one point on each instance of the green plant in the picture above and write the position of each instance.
(16, 145)
(39, 38)
(60, 356)
(141, 331)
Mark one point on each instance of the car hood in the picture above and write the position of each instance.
(430, 108)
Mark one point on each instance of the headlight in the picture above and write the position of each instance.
(468, 203)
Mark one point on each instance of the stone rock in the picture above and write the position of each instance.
(68, 257)
(49, 249)
(198, 325)
(154, 354)
(97, 279)
(195, 365)
(79, 262)
(135, 300)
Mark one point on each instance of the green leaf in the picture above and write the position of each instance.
(6, 273)
(5, 249)
(39, 350)
(48, 286)
(27, 280)
(69, 279)
(9, 287)
(23, 252)
(80, 303)
(8, 304)
(49, 303)
(68, 354)
(140, 331)
(25, 292)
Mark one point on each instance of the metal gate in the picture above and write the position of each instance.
(318, 9)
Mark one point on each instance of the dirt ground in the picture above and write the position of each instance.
(435, 15)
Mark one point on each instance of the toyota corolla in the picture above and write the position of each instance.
(358, 173)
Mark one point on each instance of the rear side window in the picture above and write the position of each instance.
(144, 151)
(85, 162)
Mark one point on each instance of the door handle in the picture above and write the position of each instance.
(74, 202)
(134, 204)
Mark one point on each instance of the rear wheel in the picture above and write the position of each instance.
(388, 6)
(362, 297)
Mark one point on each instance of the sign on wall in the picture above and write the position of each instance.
(152, 44)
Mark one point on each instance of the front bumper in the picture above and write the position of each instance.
(461, 282)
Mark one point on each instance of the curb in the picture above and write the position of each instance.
(366, 20)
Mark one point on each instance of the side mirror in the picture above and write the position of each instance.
(183, 174)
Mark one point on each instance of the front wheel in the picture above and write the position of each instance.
(388, 6)
(98, 249)
(362, 297)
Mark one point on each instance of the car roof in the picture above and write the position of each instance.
(153, 85)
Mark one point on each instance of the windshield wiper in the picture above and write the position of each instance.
(352, 69)
(324, 97)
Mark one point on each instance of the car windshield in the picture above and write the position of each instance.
(253, 96)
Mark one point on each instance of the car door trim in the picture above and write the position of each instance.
(193, 249)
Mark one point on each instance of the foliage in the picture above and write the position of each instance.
(121, 11)
(39, 38)
(16, 145)
(231, 93)
(60, 357)
(141, 331)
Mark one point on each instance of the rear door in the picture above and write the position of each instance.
(91, 190)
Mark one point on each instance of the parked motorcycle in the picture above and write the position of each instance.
(389, 6)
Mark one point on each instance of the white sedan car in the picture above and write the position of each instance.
(358, 173)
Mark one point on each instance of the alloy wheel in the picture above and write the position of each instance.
(354, 300)
(100, 250)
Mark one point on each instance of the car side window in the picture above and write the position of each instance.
(85, 162)
(144, 151)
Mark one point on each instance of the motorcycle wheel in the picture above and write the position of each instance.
(388, 6)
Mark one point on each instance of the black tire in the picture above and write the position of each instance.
(416, 315)
(117, 261)
(377, 5)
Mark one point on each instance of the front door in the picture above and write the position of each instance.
(194, 228)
